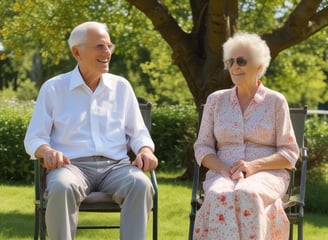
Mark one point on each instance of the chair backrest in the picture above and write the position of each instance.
(298, 117)
(297, 182)
(145, 109)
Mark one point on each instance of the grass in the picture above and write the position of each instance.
(17, 214)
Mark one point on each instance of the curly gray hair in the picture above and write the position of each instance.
(251, 41)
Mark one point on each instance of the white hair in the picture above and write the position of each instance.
(258, 48)
(79, 33)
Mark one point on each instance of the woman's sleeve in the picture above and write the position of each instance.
(286, 140)
(205, 143)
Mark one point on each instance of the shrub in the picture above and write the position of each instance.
(27, 90)
(316, 197)
(173, 131)
(14, 118)
(316, 139)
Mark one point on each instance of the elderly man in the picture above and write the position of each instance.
(83, 124)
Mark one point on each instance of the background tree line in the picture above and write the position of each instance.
(170, 52)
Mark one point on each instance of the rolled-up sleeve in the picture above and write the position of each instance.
(286, 140)
(205, 143)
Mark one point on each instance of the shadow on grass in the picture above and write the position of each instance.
(16, 225)
(316, 219)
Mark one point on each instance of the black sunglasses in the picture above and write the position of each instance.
(241, 61)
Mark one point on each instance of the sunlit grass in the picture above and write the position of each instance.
(17, 214)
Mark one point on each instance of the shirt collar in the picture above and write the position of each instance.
(260, 93)
(77, 80)
(258, 97)
(105, 81)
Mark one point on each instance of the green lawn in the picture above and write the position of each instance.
(17, 214)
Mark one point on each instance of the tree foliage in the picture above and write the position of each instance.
(198, 53)
(299, 72)
(141, 55)
(147, 32)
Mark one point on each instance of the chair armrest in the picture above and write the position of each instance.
(292, 203)
(153, 180)
(195, 183)
(155, 202)
(304, 157)
(37, 179)
(303, 151)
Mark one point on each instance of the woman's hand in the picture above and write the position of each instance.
(272, 162)
(241, 169)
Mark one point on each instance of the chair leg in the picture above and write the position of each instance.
(42, 225)
(300, 231)
(191, 225)
(36, 222)
(155, 224)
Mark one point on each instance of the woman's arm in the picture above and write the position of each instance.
(272, 162)
(212, 162)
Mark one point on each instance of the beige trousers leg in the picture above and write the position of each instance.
(69, 185)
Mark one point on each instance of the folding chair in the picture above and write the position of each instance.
(95, 201)
(294, 200)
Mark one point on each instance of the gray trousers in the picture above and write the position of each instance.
(69, 185)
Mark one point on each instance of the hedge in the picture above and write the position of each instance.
(14, 164)
(173, 131)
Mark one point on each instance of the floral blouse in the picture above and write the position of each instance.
(263, 129)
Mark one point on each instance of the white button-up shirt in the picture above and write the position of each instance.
(72, 119)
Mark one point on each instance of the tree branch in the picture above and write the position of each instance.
(198, 12)
(215, 24)
(198, 8)
(303, 22)
(231, 13)
(163, 22)
(320, 20)
(184, 45)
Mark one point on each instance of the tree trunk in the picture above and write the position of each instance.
(198, 54)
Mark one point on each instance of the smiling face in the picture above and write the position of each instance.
(94, 54)
(246, 75)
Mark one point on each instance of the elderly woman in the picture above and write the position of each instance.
(246, 140)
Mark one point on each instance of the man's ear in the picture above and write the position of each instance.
(76, 52)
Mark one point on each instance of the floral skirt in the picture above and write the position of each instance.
(249, 208)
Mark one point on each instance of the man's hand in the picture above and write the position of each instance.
(145, 159)
(51, 157)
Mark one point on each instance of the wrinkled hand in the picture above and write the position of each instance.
(145, 160)
(225, 170)
(241, 169)
(54, 159)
